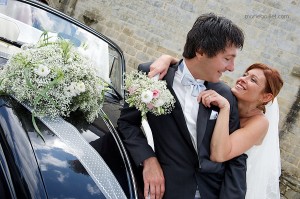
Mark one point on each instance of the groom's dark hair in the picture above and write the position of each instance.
(211, 34)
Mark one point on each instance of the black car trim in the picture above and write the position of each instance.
(4, 171)
(122, 148)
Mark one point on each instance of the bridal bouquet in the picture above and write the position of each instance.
(54, 78)
(148, 95)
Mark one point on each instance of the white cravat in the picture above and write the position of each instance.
(188, 102)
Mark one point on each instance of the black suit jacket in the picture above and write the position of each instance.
(184, 168)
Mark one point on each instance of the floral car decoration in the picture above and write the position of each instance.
(54, 78)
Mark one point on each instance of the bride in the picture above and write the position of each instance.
(258, 136)
(264, 161)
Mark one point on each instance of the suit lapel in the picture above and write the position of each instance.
(177, 112)
(202, 119)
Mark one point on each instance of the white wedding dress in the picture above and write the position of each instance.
(263, 163)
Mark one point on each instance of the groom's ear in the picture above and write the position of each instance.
(199, 54)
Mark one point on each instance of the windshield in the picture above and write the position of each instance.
(24, 24)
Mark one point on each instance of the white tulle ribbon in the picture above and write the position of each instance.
(146, 127)
(88, 156)
(148, 133)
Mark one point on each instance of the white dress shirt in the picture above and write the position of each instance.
(188, 102)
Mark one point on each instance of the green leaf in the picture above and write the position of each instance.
(36, 127)
(28, 81)
(43, 93)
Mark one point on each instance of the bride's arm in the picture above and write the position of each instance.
(225, 146)
(161, 65)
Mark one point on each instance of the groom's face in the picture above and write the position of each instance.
(212, 68)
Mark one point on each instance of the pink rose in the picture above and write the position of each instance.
(131, 90)
(150, 106)
(155, 93)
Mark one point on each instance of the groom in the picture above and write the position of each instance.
(180, 167)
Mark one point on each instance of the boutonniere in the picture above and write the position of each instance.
(148, 95)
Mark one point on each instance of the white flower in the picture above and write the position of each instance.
(71, 91)
(80, 87)
(146, 96)
(158, 103)
(74, 89)
(42, 70)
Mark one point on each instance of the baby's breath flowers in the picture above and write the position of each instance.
(148, 95)
(55, 79)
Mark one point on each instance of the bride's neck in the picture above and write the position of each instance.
(248, 110)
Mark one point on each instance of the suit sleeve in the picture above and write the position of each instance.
(234, 184)
(129, 128)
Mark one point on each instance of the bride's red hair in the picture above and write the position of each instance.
(274, 81)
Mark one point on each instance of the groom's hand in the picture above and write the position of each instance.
(154, 180)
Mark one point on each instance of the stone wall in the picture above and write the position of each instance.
(145, 29)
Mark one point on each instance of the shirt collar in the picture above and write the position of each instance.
(184, 70)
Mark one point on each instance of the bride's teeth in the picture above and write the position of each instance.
(240, 87)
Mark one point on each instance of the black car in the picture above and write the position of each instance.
(93, 164)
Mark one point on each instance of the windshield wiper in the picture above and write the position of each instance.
(14, 43)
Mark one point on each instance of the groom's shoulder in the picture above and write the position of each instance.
(144, 67)
(222, 88)
(219, 86)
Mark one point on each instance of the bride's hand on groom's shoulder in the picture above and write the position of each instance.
(160, 66)
(211, 97)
